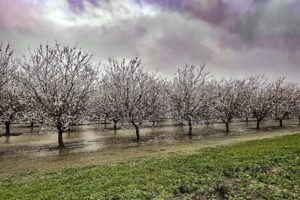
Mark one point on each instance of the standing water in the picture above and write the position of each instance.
(93, 144)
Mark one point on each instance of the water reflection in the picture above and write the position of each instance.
(102, 137)
(7, 139)
(63, 152)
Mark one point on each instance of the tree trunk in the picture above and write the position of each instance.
(104, 122)
(153, 123)
(7, 127)
(137, 132)
(115, 124)
(60, 138)
(190, 127)
(247, 119)
(227, 127)
(280, 123)
(258, 124)
(31, 126)
(299, 120)
(207, 123)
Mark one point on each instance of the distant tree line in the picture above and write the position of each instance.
(60, 85)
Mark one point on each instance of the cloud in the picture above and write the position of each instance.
(18, 14)
(233, 37)
(250, 22)
(80, 5)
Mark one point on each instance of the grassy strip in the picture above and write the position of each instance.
(260, 169)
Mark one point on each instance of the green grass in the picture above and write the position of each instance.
(260, 169)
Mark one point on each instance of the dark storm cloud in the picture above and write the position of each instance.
(79, 5)
(234, 37)
(271, 23)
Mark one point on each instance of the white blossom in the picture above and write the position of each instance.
(59, 81)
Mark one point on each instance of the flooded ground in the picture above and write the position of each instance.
(94, 144)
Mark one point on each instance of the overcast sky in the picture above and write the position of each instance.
(233, 37)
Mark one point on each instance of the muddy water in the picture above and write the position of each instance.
(95, 144)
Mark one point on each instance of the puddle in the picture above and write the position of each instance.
(92, 144)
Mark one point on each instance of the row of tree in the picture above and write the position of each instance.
(60, 85)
